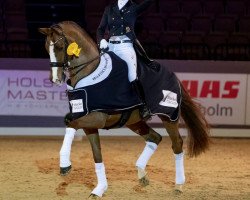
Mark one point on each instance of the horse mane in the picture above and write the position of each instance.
(79, 30)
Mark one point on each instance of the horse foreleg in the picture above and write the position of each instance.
(177, 146)
(92, 120)
(102, 184)
(152, 140)
(65, 164)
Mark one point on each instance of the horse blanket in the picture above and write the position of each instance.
(108, 90)
(162, 89)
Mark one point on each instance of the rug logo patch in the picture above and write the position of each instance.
(169, 99)
(77, 105)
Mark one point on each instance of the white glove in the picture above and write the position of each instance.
(103, 44)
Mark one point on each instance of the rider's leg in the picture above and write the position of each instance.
(126, 52)
(102, 184)
(65, 163)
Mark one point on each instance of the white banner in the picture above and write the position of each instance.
(30, 93)
(248, 102)
(223, 96)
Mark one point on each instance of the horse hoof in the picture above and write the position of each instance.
(93, 196)
(144, 181)
(142, 176)
(65, 170)
(178, 189)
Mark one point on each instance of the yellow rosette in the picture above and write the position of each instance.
(73, 49)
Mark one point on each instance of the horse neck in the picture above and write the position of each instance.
(83, 71)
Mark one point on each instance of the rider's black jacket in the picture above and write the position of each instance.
(121, 22)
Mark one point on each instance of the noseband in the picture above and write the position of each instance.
(65, 64)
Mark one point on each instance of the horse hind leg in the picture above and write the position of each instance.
(152, 141)
(177, 146)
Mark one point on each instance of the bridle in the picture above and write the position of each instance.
(65, 66)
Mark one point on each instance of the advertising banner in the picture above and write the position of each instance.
(30, 93)
(222, 96)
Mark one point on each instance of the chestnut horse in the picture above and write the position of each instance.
(75, 55)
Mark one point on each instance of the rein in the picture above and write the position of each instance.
(83, 65)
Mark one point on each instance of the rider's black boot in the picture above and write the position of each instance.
(144, 111)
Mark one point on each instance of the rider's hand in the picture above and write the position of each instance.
(103, 44)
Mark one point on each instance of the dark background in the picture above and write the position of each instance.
(169, 29)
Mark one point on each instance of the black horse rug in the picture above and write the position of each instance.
(114, 93)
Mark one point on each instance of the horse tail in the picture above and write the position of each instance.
(196, 124)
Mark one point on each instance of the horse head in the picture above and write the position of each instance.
(72, 52)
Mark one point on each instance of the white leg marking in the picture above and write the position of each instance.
(53, 59)
(102, 184)
(66, 147)
(179, 167)
(148, 151)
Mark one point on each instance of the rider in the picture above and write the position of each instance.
(120, 19)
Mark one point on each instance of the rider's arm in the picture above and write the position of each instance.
(102, 26)
(143, 5)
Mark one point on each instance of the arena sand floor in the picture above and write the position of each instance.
(29, 170)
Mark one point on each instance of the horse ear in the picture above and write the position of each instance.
(45, 31)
